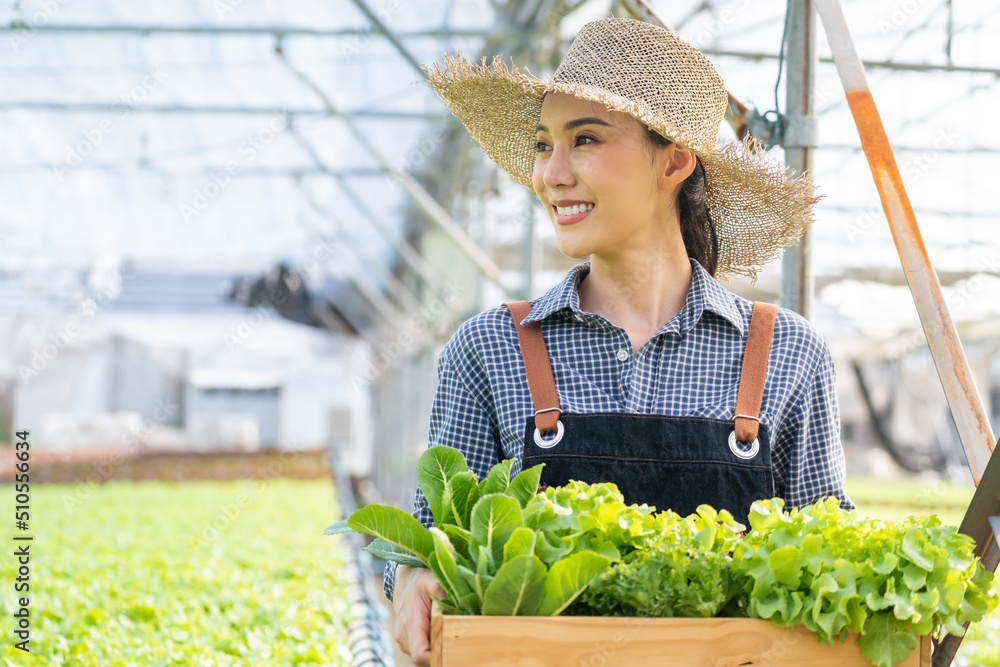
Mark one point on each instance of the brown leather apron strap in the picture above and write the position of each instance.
(752, 375)
(541, 382)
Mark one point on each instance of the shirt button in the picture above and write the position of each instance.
(623, 355)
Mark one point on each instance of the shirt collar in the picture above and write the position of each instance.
(705, 293)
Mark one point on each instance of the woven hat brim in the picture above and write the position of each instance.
(757, 210)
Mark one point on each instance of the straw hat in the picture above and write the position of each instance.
(651, 74)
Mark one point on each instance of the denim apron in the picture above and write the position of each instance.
(670, 462)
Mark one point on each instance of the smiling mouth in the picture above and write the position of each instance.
(570, 215)
(573, 210)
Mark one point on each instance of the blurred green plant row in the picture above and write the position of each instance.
(150, 574)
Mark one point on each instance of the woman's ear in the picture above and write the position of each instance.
(680, 164)
(677, 164)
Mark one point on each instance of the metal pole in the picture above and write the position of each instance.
(953, 368)
(799, 140)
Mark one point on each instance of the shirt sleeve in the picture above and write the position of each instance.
(808, 450)
(460, 420)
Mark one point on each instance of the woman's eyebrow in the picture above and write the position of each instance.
(590, 120)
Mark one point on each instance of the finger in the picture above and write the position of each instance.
(422, 658)
(436, 589)
(400, 637)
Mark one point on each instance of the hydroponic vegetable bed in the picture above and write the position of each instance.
(195, 573)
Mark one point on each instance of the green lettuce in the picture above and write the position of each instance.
(500, 547)
(682, 569)
(504, 547)
(824, 568)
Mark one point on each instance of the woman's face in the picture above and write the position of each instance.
(605, 187)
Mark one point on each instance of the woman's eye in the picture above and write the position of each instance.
(542, 147)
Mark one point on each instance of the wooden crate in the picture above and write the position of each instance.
(589, 641)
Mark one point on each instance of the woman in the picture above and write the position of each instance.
(639, 368)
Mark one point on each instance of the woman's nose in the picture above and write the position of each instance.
(557, 169)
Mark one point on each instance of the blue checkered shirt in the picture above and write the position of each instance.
(691, 367)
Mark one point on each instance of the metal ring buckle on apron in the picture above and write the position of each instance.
(546, 444)
(736, 449)
(734, 446)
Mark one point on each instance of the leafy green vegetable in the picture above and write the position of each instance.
(389, 551)
(980, 647)
(394, 526)
(568, 578)
(494, 518)
(517, 589)
(498, 479)
(592, 517)
(520, 543)
(822, 567)
(460, 539)
(459, 496)
(525, 485)
(434, 467)
(500, 547)
(504, 547)
(682, 569)
(445, 567)
(338, 528)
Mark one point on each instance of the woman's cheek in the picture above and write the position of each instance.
(536, 180)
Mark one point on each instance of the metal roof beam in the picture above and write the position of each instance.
(283, 31)
(869, 64)
(153, 163)
(119, 107)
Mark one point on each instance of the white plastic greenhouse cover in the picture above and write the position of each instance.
(107, 136)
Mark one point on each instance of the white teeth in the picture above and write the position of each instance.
(573, 210)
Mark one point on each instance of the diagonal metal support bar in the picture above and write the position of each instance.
(982, 524)
(407, 253)
(404, 297)
(388, 34)
(392, 316)
(423, 199)
(953, 368)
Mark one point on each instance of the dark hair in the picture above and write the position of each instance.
(697, 226)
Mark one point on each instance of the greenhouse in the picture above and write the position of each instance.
(260, 261)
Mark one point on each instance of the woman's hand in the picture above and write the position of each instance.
(412, 602)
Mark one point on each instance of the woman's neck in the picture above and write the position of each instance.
(637, 289)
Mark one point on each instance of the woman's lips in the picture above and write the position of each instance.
(570, 219)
